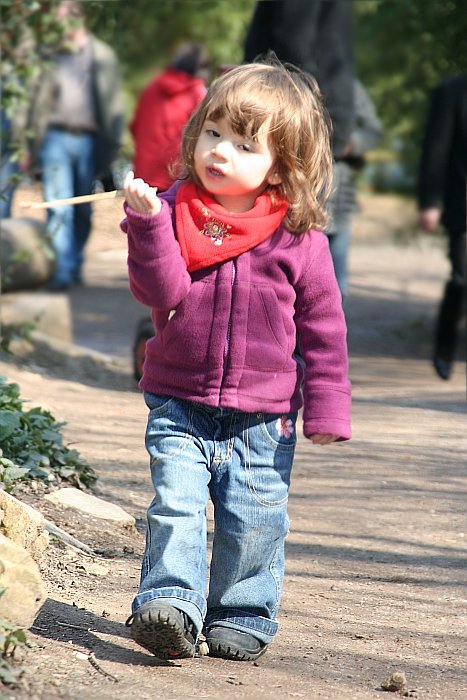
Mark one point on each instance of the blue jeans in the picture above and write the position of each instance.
(339, 244)
(67, 171)
(243, 461)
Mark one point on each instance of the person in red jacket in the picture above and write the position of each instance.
(162, 111)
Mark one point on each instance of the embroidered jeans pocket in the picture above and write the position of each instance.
(271, 443)
(280, 429)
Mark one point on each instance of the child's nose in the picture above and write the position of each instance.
(221, 149)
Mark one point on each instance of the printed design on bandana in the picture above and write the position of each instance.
(213, 229)
(285, 427)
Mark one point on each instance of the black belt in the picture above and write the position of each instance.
(75, 130)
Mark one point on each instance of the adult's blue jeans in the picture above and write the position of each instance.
(68, 170)
(339, 244)
(243, 461)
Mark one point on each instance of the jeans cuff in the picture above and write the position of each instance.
(260, 627)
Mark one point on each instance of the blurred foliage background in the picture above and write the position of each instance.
(403, 49)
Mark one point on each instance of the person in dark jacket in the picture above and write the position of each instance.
(317, 36)
(442, 200)
(162, 111)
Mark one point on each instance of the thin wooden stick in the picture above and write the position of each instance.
(81, 199)
(93, 661)
(69, 539)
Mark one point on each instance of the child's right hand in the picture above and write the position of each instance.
(140, 196)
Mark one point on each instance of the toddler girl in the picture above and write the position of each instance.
(232, 265)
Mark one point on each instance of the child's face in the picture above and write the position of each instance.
(234, 169)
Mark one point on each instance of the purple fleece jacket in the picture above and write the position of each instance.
(225, 335)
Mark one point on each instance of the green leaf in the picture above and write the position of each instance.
(9, 422)
(51, 436)
(14, 472)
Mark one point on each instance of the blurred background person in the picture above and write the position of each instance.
(162, 110)
(13, 157)
(77, 120)
(442, 195)
(317, 36)
(343, 205)
(9, 165)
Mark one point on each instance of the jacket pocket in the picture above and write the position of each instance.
(185, 339)
(268, 340)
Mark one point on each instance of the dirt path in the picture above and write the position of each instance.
(376, 568)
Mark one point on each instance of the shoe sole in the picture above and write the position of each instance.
(229, 651)
(160, 633)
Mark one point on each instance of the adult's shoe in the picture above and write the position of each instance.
(443, 367)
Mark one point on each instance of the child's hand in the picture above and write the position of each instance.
(318, 439)
(140, 196)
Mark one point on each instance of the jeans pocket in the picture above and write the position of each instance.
(280, 430)
(157, 403)
(170, 426)
(270, 454)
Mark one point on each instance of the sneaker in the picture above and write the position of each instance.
(165, 631)
(227, 643)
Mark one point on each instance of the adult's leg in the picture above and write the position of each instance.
(84, 169)
(57, 180)
(339, 244)
(451, 309)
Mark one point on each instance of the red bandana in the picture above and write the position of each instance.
(208, 234)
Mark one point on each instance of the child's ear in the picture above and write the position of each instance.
(274, 179)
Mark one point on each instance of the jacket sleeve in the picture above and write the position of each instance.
(322, 339)
(436, 148)
(368, 129)
(109, 103)
(157, 271)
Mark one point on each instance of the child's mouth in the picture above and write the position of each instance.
(214, 172)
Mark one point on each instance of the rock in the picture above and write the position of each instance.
(91, 505)
(24, 590)
(26, 257)
(395, 683)
(49, 312)
(95, 569)
(23, 525)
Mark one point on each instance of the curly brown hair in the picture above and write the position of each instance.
(289, 102)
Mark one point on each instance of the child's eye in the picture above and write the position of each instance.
(245, 147)
(212, 132)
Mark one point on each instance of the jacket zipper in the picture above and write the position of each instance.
(229, 326)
